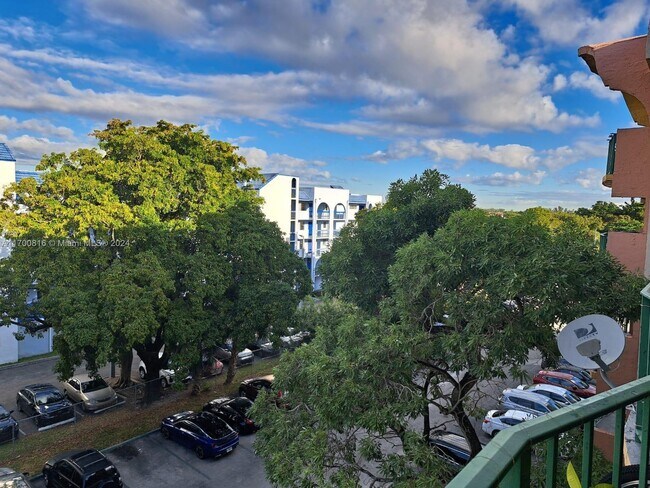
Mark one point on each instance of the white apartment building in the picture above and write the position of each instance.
(310, 217)
(12, 349)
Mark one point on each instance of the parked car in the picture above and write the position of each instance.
(583, 374)
(497, 420)
(8, 426)
(251, 387)
(234, 411)
(571, 383)
(11, 479)
(93, 393)
(166, 375)
(205, 433)
(45, 404)
(559, 395)
(293, 339)
(453, 448)
(87, 468)
(263, 348)
(526, 401)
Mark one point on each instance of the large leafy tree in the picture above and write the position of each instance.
(356, 269)
(625, 218)
(466, 305)
(143, 184)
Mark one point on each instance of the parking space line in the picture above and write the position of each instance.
(21, 431)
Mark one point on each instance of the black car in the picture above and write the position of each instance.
(11, 479)
(233, 411)
(86, 468)
(8, 426)
(452, 448)
(251, 387)
(45, 404)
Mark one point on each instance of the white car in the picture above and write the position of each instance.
(166, 375)
(497, 420)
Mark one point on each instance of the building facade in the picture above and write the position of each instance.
(12, 349)
(310, 217)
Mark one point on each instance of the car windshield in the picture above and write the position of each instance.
(93, 385)
(214, 428)
(579, 383)
(552, 405)
(3, 416)
(241, 404)
(46, 397)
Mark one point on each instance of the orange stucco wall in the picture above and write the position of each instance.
(631, 176)
(629, 248)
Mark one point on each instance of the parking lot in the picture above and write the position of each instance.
(153, 462)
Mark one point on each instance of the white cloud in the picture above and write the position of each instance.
(42, 127)
(572, 23)
(418, 63)
(311, 171)
(503, 179)
(591, 178)
(587, 81)
(29, 149)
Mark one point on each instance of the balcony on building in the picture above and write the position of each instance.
(611, 158)
(323, 211)
(323, 233)
(339, 212)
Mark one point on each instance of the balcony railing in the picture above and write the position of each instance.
(339, 215)
(323, 233)
(323, 215)
(506, 460)
(611, 159)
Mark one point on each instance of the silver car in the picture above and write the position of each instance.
(93, 393)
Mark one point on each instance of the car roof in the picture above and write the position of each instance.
(85, 377)
(268, 377)
(556, 374)
(518, 415)
(90, 460)
(452, 439)
(531, 395)
(552, 388)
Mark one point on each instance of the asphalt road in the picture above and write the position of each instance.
(153, 462)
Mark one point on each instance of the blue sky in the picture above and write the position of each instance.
(351, 92)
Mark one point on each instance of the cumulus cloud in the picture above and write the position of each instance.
(503, 179)
(586, 81)
(28, 150)
(591, 178)
(574, 22)
(44, 127)
(421, 63)
(310, 171)
(515, 156)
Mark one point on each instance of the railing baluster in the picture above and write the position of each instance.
(587, 452)
(519, 474)
(617, 462)
(551, 462)
(645, 443)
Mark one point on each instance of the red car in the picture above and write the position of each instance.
(571, 383)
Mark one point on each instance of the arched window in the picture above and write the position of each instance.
(339, 212)
(323, 211)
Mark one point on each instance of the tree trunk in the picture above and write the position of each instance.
(460, 391)
(232, 364)
(153, 364)
(426, 428)
(126, 362)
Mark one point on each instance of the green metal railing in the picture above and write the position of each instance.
(611, 154)
(506, 460)
(603, 241)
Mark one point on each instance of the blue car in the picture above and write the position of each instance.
(8, 426)
(203, 432)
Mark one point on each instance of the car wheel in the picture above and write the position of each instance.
(494, 432)
(46, 480)
(142, 373)
(199, 452)
(242, 393)
(165, 432)
(163, 382)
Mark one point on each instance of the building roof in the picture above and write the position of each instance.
(257, 184)
(22, 174)
(5, 153)
(358, 198)
(306, 193)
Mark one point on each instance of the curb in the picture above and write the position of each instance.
(24, 363)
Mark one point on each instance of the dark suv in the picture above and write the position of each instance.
(8, 426)
(251, 387)
(45, 403)
(452, 448)
(81, 469)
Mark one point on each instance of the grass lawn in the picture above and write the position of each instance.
(29, 454)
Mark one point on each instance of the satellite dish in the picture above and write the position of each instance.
(591, 342)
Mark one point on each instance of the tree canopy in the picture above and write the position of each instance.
(625, 218)
(139, 245)
(356, 268)
(465, 306)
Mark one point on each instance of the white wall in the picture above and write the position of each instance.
(8, 344)
(277, 201)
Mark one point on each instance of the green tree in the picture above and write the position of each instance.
(466, 306)
(356, 269)
(142, 184)
(625, 218)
